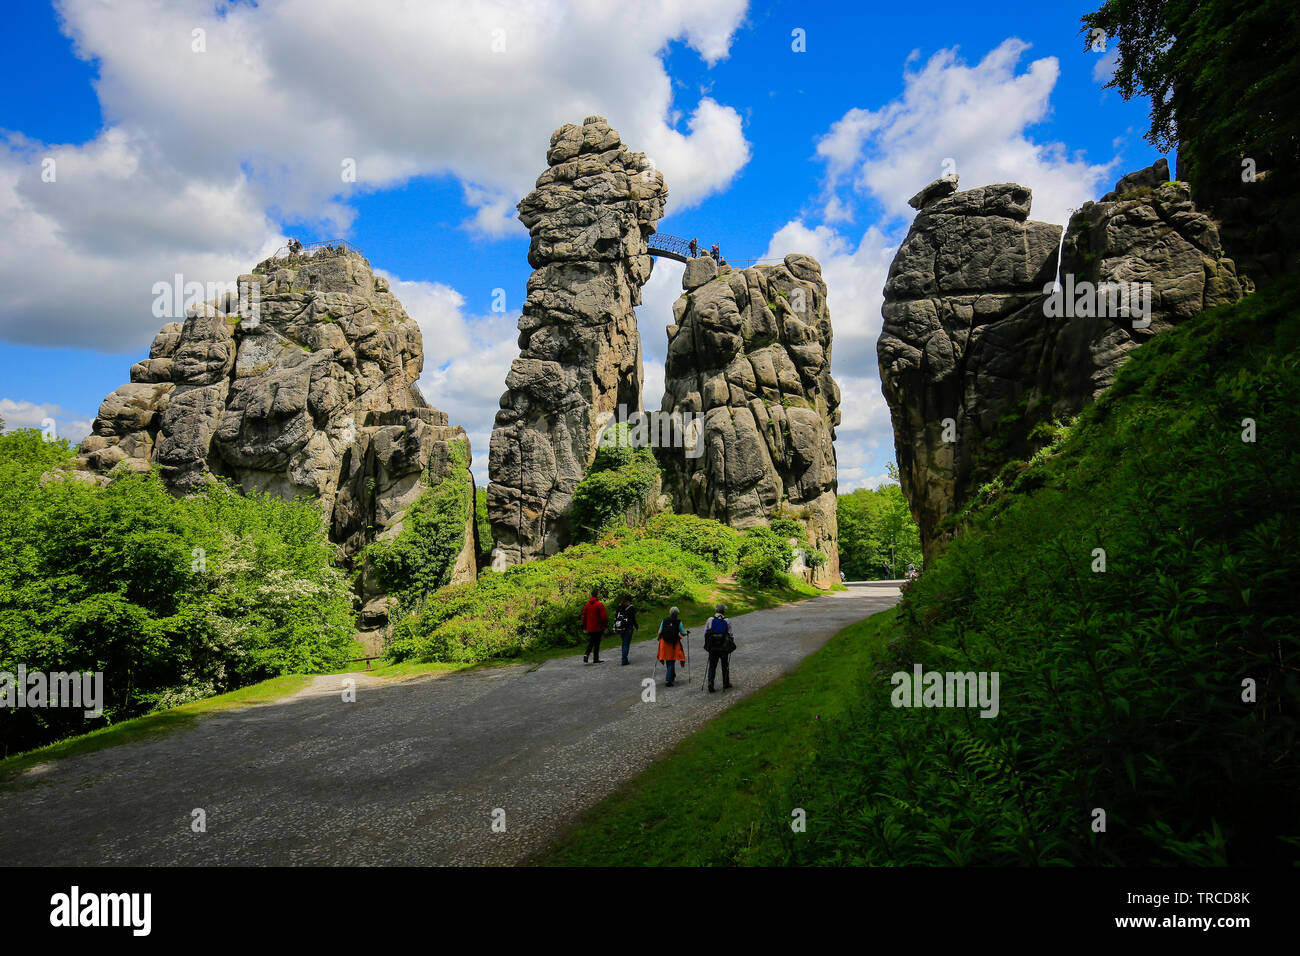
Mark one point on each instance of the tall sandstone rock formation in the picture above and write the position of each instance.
(580, 353)
(973, 355)
(750, 350)
(305, 388)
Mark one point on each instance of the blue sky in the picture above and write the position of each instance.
(174, 159)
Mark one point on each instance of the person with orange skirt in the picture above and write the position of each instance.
(671, 632)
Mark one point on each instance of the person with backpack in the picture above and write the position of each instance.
(594, 619)
(671, 632)
(719, 641)
(625, 623)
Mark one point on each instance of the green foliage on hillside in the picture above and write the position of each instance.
(875, 527)
(616, 483)
(422, 557)
(674, 559)
(173, 600)
(1120, 690)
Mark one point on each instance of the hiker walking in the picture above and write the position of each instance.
(671, 632)
(594, 619)
(717, 256)
(695, 248)
(625, 623)
(719, 641)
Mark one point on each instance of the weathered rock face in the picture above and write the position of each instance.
(975, 351)
(580, 353)
(307, 388)
(750, 351)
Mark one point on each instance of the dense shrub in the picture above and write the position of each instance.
(1120, 689)
(764, 558)
(717, 543)
(615, 486)
(171, 599)
(422, 557)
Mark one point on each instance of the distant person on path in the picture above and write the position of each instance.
(695, 248)
(594, 619)
(719, 641)
(717, 256)
(671, 632)
(625, 623)
(887, 570)
(912, 573)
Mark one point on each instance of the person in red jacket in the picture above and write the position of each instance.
(594, 619)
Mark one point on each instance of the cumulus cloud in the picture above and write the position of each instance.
(974, 119)
(466, 358)
(20, 414)
(223, 121)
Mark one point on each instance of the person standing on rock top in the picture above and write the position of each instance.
(671, 632)
(594, 619)
(625, 623)
(695, 248)
(717, 254)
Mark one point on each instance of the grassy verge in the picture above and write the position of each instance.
(153, 726)
(708, 802)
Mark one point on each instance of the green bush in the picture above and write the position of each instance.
(1120, 689)
(717, 543)
(764, 558)
(171, 599)
(616, 484)
(422, 557)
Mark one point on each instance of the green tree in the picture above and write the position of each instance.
(1223, 78)
(876, 527)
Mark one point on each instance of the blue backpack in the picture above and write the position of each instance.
(716, 637)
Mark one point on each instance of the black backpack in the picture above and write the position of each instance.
(668, 630)
(716, 637)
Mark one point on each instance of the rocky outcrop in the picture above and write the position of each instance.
(978, 345)
(580, 353)
(749, 360)
(302, 383)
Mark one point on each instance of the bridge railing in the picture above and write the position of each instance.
(675, 247)
(308, 248)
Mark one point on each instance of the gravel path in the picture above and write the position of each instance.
(410, 773)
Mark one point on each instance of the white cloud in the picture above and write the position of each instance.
(205, 153)
(466, 359)
(19, 414)
(654, 315)
(976, 116)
